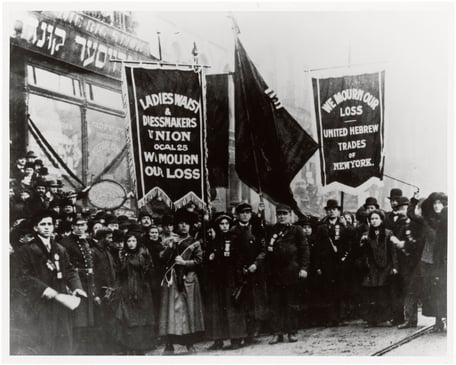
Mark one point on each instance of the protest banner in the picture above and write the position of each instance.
(350, 124)
(166, 134)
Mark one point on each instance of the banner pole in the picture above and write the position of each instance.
(157, 63)
(403, 182)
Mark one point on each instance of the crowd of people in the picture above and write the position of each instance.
(181, 278)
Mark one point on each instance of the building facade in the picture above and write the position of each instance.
(65, 78)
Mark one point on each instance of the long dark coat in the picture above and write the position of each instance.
(181, 309)
(331, 254)
(135, 311)
(224, 274)
(156, 274)
(434, 266)
(49, 323)
(104, 277)
(252, 250)
(287, 254)
(380, 258)
(81, 256)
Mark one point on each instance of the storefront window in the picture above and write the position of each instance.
(106, 135)
(103, 96)
(53, 81)
(60, 124)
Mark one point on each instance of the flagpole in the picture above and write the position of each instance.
(236, 32)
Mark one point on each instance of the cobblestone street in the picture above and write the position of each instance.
(351, 339)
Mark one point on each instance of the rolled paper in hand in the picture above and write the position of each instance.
(69, 301)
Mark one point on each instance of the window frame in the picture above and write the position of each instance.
(83, 102)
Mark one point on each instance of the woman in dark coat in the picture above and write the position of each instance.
(434, 257)
(380, 257)
(134, 311)
(224, 319)
(181, 309)
(153, 243)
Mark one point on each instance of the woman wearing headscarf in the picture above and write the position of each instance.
(134, 312)
(181, 309)
(380, 257)
(225, 316)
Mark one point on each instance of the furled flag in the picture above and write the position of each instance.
(271, 147)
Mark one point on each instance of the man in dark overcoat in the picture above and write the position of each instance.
(332, 249)
(78, 247)
(44, 270)
(400, 227)
(249, 238)
(287, 260)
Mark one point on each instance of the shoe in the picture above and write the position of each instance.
(169, 350)
(276, 339)
(439, 325)
(407, 325)
(292, 338)
(191, 349)
(250, 341)
(396, 322)
(217, 345)
(370, 324)
(235, 344)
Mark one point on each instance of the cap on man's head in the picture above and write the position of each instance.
(403, 200)
(395, 193)
(221, 216)
(243, 207)
(283, 208)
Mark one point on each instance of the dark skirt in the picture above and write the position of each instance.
(377, 304)
(434, 292)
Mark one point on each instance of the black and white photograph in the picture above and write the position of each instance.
(228, 180)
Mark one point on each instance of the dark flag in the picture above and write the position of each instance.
(217, 111)
(271, 147)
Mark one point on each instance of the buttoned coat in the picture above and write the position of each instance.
(49, 323)
(252, 250)
(287, 255)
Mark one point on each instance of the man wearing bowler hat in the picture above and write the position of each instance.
(250, 240)
(333, 246)
(287, 259)
(392, 216)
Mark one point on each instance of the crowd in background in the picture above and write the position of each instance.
(182, 278)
